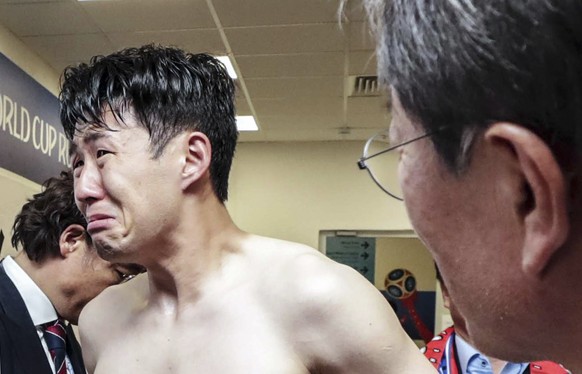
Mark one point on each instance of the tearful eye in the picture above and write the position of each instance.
(101, 152)
(77, 164)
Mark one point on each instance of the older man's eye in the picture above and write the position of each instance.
(77, 164)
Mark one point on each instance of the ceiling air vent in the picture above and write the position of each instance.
(364, 86)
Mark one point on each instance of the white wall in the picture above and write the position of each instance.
(293, 190)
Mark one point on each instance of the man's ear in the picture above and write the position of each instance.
(70, 239)
(197, 158)
(543, 209)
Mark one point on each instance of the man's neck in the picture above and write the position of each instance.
(39, 273)
(199, 251)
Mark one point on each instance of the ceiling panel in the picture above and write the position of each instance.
(286, 39)
(297, 65)
(294, 121)
(252, 136)
(326, 107)
(367, 112)
(261, 12)
(375, 121)
(32, 1)
(295, 87)
(376, 118)
(79, 48)
(46, 19)
(363, 105)
(360, 37)
(199, 40)
(362, 63)
(293, 56)
(353, 10)
(136, 15)
(242, 106)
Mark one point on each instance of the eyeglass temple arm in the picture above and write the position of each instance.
(362, 160)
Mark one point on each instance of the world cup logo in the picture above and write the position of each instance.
(401, 285)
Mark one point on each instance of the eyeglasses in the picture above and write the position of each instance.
(384, 169)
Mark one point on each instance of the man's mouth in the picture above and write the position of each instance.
(97, 222)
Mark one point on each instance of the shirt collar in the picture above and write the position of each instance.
(464, 351)
(39, 306)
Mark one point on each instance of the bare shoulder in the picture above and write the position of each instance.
(336, 318)
(307, 274)
(116, 302)
(296, 270)
(107, 313)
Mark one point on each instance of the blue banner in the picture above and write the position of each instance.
(32, 142)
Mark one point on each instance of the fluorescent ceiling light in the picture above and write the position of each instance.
(229, 68)
(246, 123)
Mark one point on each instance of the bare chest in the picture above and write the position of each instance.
(232, 340)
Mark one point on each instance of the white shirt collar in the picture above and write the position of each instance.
(39, 306)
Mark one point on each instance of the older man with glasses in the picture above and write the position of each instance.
(495, 192)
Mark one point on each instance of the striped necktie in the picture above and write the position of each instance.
(55, 337)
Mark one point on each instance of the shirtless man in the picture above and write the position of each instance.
(154, 133)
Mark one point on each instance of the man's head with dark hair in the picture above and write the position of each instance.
(494, 189)
(58, 254)
(42, 220)
(168, 90)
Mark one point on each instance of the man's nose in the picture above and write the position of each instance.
(88, 185)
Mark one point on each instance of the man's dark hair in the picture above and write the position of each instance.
(467, 64)
(42, 220)
(168, 90)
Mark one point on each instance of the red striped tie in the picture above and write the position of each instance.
(55, 337)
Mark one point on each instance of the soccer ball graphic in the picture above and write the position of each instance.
(400, 284)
